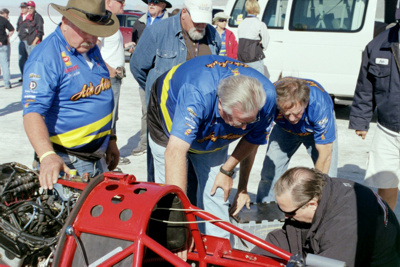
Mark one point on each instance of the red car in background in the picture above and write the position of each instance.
(126, 22)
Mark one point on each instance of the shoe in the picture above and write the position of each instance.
(123, 161)
(140, 150)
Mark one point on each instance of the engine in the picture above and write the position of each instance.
(30, 218)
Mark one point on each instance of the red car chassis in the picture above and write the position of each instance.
(110, 225)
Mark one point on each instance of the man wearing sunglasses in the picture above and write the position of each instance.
(157, 10)
(196, 110)
(67, 96)
(335, 218)
(30, 32)
(305, 116)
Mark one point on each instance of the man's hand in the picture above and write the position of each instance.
(241, 199)
(131, 46)
(112, 155)
(50, 168)
(363, 134)
(187, 248)
(224, 182)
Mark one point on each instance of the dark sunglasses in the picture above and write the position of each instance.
(121, 1)
(222, 20)
(154, 1)
(292, 213)
(94, 17)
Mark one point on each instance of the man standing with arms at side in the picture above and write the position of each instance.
(5, 47)
(195, 111)
(305, 116)
(67, 95)
(157, 10)
(23, 55)
(173, 41)
(112, 51)
(31, 31)
(378, 86)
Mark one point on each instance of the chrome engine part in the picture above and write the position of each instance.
(30, 218)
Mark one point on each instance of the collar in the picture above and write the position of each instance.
(393, 37)
(63, 41)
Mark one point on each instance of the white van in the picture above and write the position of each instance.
(318, 39)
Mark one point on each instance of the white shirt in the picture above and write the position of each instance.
(112, 49)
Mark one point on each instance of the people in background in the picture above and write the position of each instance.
(229, 44)
(253, 37)
(6, 31)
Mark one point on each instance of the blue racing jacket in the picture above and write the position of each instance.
(318, 117)
(187, 103)
(75, 99)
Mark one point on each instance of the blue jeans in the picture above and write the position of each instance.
(93, 168)
(5, 64)
(23, 56)
(281, 147)
(116, 88)
(206, 167)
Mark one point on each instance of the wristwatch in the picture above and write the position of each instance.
(113, 137)
(228, 173)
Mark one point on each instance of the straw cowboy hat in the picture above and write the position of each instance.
(90, 16)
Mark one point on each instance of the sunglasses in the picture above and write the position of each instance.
(30, 7)
(94, 17)
(154, 1)
(222, 20)
(239, 124)
(121, 1)
(292, 213)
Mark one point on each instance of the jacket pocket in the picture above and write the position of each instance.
(380, 75)
(164, 60)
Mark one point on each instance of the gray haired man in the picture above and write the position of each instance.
(196, 110)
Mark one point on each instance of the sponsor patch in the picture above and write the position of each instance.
(70, 69)
(34, 76)
(188, 131)
(191, 126)
(191, 112)
(382, 61)
(32, 85)
(323, 121)
(66, 59)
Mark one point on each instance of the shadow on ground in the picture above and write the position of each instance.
(126, 149)
(11, 108)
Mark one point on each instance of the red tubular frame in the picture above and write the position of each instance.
(140, 198)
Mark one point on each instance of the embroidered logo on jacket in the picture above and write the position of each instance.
(89, 90)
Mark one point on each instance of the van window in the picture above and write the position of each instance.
(275, 14)
(238, 14)
(328, 15)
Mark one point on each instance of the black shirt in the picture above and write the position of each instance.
(5, 24)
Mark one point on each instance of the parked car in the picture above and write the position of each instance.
(126, 22)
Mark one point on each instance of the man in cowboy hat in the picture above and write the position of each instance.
(67, 96)
(156, 12)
